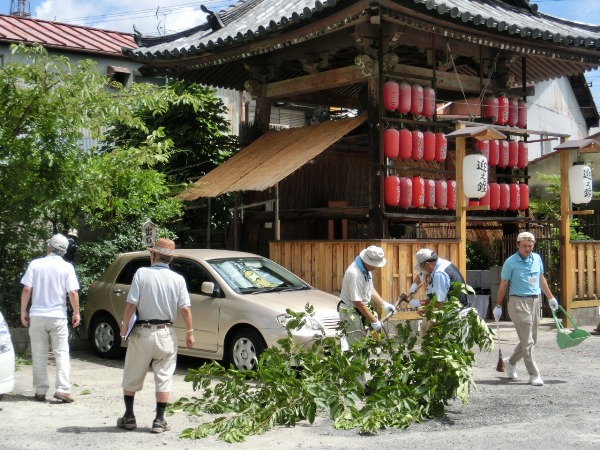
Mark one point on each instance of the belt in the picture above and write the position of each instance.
(524, 296)
(158, 326)
(154, 321)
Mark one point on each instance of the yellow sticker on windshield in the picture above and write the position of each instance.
(257, 280)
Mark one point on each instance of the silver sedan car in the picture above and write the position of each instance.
(239, 303)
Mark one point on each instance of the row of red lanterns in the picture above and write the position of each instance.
(415, 145)
(504, 153)
(506, 111)
(417, 192)
(405, 98)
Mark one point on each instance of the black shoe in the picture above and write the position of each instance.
(40, 397)
(160, 425)
(127, 422)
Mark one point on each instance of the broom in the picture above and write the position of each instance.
(500, 365)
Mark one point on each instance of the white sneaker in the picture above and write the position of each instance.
(511, 369)
(536, 380)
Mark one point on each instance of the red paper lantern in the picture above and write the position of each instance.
(502, 110)
(416, 99)
(404, 144)
(485, 200)
(513, 153)
(451, 200)
(513, 112)
(392, 190)
(503, 152)
(504, 197)
(390, 143)
(405, 192)
(390, 95)
(429, 194)
(494, 155)
(441, 147)
(523, 155)
(522, 114)
(417, 145)
(524, 196)
(428, 102)
(515, 197)
(494, 190)
(441, 194)
(483, 147)
(473, 202)
(428, 146)
(404, 98)
(418, 192)
(490, 108)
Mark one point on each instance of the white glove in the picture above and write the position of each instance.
(388, 308)
(414, 288)
(553, 304)
(497, 313)
(376, 325)
(415, 303)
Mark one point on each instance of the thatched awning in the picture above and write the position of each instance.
(271, 158)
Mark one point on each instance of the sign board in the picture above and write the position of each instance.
(148, 233)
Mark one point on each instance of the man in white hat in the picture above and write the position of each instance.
(358, 294)
(158, 293)
(524, 273)
(47, 282)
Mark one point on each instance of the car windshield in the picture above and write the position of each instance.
(255, 275)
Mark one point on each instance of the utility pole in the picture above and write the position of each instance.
(20, 8)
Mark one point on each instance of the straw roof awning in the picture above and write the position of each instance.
(271, 158)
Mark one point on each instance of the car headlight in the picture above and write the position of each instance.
(309, 322)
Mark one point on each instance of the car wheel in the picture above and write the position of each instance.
(106, 338)
(245, 349)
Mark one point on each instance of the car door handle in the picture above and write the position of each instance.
(118, 291)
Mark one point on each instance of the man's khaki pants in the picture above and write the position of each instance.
(525, 315)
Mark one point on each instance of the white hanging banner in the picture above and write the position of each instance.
(148, 233)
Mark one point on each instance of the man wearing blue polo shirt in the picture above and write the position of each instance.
(523, 274)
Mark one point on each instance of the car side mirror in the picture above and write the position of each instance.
(208, 288)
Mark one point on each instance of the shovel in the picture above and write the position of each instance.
(500, 365)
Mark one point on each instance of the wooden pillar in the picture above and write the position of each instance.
(277, 221)
(566, 272)
(461, 203)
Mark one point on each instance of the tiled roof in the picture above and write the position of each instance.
(56, 35)
(253, 19)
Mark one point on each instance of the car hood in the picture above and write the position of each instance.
(323, 303)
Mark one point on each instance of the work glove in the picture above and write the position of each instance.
(415, 303)
(376, 325)
(497, 313)
(414, 288)
(553, 304)
(388, 308)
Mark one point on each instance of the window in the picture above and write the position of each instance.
(127, 273)
(193, 273)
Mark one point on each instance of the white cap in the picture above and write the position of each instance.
(58, 242)
(525, 236)
(424, 255)
(373, 256)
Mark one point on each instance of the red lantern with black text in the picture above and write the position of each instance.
(418, 192)
(515, 197)
(416, 100)
(494, 155)
(441, 147)
(405, 192)
(503, 154)
(428, 146)
(451, 200)
(490, 108)
(513, 112)
(504, 197)
(513, 153)
(502, 110)
(428, 102)
(522, 114)
(392, 190)
(494, 189)
(390, 95)
(523, 155)
(417, 145)
(524, 196)
(404, 144)
(390, 143)
(429, 194)
(404, 98)
(441, 194)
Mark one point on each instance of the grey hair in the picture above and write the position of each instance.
(163, 258)
(56, 251)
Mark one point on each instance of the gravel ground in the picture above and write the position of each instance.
(501, 414)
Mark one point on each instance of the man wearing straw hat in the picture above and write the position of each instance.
(523, 274)
(157, 292)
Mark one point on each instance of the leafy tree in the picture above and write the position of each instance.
(294, 383)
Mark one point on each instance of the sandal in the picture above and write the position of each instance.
(595, 332)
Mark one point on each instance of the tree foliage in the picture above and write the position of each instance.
(294, 383)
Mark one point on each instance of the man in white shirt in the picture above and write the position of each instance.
(47, 282)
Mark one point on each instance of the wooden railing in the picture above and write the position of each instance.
(323, 263)
(586, 272)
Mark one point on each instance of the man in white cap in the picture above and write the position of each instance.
(47, 282)
(524, 273)
(358, 294)
(158, 293)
